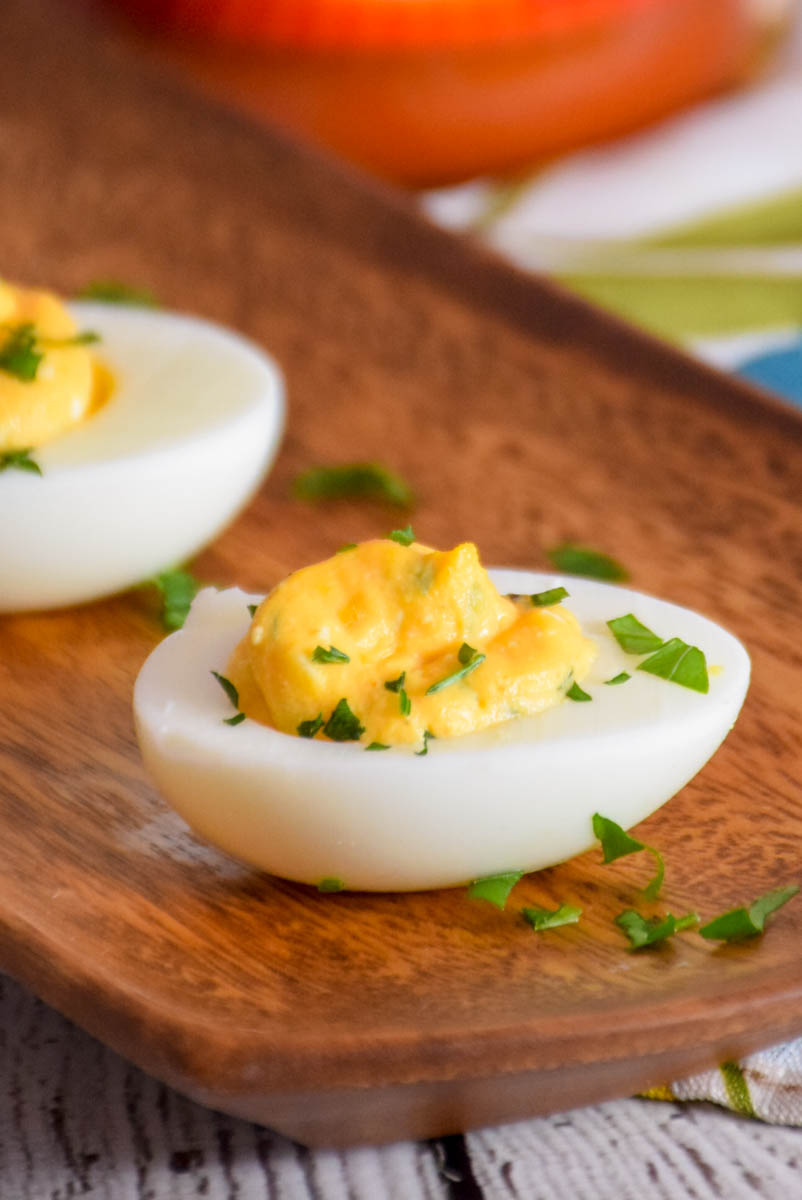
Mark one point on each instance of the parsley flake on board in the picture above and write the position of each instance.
(228, 688)
(616, 843)
(621, 677)
(546, 599)
(427, 736)
(332, 655)
(679, 663)
(19, 460)
(252, 609)
(741, 923)
(332, 884)
(581, 560)
(494, 888)
(377, 746)
(353, 481)
(19, 355)
(404, 537)
(544, 918)
(112, 291)
(178, 589)
(470, 658)
(575, 692)
(343, 725)
(643, 931)
(308, 729)
(395, 685)
(237, 719)
(633, 636)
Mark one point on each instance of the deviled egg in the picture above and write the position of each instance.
(129, 438)
(274, 768)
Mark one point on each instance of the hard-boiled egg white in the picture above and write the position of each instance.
(518, 796)
(191, 427)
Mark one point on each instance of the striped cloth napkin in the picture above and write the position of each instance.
(693, 230)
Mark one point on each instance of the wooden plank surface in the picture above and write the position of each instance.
(522, 418)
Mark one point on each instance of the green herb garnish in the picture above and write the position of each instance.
(580, 560)
(427, 736)
(348, 546)
(353, 480)
(404, 537)
(494, 888)
(632, 636)
(178, 589)
(377, 746)
(643, 931)
(405, 703)
(332, 655)
(546, 599)
(252, 609)
(616, 843)
(740, 923)
(19, 355)
(19, 460)
(575, 692)
(621, 677)
(331, 885)
(395, 685)
(342, 725)
(111, 291)
(308, 729)
(228, 688)
(235, 720)
(543, 918)
(680, 663)
(470, 658)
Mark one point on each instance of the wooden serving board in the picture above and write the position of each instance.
(523, 418)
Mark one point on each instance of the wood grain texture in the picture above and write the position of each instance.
(523, 418)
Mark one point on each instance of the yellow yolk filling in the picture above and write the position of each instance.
(394, 609)
(68, 386)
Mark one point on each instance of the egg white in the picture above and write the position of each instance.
(518, 796)
(186, 437)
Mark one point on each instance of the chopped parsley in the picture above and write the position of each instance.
(427, 736)
(332, 655)
(648, 931)
(404, 702)
(679, 663)
(741, 923)
(575, 692)
(404, 537)
(395, 685)
(252, 609)
(308, 729)
(112, 291)
(580, 560)
(19, 355)
(348, 546)
(494, 888)
(543, 918)
(621, 677)
(19, 460)
(377, 746)
(616, 843)
(470, 660)
(237, 719)
(632, 636)
(342, 725)
(546, 599)
(331, 884)
(353, 481)
(178, 589)
(228, 688)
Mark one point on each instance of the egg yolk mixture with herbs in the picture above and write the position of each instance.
(415, 641)
(49, 381)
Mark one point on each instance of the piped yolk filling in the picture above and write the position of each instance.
(68, 386)
(413, 618)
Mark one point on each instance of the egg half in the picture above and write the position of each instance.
(519, 796)
(189, 430)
